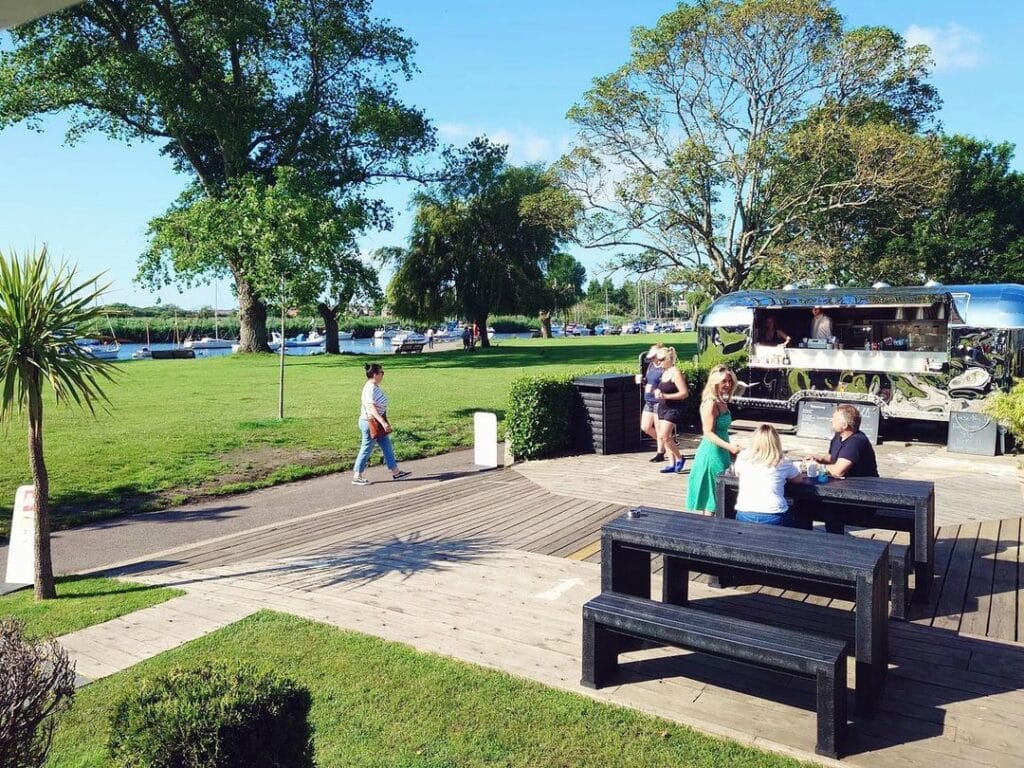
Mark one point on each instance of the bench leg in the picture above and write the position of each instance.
(675, 581)
(831, 691)
(899, 574)
(600, 654)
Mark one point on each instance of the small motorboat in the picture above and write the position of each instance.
(346, 335)
(209, 342)
(407, 337)
(98, 349)
(142, 354)
(313, 340)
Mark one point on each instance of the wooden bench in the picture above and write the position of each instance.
(868, 502)
(409, 346)
(835, 566)
(609, 616)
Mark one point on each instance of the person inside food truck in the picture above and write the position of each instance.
(821, 324)
(772, 334)
(850, 454)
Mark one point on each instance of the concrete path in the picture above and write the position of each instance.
(112, 646)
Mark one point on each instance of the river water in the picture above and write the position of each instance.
(356, 346)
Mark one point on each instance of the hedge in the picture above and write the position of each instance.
(538, 423)
(213, 716)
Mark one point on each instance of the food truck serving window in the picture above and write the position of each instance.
(917, 323)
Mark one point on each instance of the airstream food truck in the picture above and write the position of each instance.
(916, 353)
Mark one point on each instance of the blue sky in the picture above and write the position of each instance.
(508, 70)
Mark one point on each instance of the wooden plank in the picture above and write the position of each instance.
(950, 603)
(978, 597)
(1002, 622)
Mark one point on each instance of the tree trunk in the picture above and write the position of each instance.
(252, 318)
(481, 323)
(44, 587)
(330, 318)
(545, 323)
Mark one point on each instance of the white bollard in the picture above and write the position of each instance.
(21, 552)
(485, 440)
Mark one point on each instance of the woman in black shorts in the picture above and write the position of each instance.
(671, 392)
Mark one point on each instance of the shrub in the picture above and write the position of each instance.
(538, 422)
(37, 682)
(1008, 408)
(213, 717)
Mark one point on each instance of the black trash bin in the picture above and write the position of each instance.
(606, 414)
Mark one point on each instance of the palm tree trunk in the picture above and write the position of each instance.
(44, 587)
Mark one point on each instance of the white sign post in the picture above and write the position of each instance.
(21, 553)
(485, 440)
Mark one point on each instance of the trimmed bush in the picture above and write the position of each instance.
(538, 422)
(37, 682)
(213, 717)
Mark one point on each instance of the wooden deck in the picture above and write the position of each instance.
(493, 569)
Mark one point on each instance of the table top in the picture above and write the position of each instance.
(885, 491)
(773, 547)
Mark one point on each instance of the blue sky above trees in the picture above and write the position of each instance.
(507, 70)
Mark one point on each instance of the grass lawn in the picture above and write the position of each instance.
(180, 429)
(377, 703)
(81, 602)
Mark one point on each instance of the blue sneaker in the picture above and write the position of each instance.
(670, 469)
(679, 466)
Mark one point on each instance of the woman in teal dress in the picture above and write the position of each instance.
(715, 452)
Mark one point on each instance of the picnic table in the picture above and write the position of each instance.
(886, 503)
(853, 568)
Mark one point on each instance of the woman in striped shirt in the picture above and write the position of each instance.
(374, 406)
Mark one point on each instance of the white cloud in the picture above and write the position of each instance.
(524, 145)
(953, 46)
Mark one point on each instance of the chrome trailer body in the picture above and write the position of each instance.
(960, 344)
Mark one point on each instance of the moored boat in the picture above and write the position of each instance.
(98, 349)
(209, 342)
(407, 337)
(173, 354)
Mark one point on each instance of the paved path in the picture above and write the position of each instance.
(91, 547)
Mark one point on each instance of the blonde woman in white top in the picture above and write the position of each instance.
(763, 471)
(374, 406)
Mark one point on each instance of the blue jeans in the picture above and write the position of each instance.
(366, 448)
(765, 518)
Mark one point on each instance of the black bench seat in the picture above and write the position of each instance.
(609, 616)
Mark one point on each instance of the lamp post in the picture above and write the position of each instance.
(280, 379)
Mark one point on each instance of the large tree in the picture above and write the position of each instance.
(563, 283)
(286, 229)
(350, 281)
(233, 89)
(482, 240)
(735, 124)
(973, 232)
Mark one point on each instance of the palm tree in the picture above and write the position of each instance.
(40, 307)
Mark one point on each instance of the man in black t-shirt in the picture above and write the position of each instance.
(850, 454)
